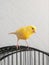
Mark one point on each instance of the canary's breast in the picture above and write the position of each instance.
(23, 34)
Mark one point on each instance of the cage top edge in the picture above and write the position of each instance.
(14, 48)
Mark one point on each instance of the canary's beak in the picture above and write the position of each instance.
(34, 31)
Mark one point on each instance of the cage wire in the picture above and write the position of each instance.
(10, 55)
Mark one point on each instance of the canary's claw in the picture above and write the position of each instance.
(17, 46)
(27, 47)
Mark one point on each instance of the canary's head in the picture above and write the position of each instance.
(32, 29)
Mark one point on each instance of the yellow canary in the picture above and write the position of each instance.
(24, 32)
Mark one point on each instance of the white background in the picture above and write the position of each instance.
(18, 13)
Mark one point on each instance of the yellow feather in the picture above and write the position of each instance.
(24, 32)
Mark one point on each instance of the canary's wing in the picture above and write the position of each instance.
(23, 33)
(20, 33)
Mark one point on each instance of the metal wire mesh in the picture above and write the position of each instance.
(22, 56)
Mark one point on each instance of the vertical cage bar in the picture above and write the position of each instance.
(20, 58)
(12, 59)
(30, 57)
(42, 59)
(23, 58)
(4, 61)
(1, 62)
(27, 57)
(34, 57)
(8, 60)
(47, 60)
(16, 58)
(38, 58)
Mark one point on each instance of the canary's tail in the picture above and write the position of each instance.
(12, 33)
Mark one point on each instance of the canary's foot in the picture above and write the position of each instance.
(17, 46)
(27, 47)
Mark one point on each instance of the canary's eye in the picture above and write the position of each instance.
(32, 28)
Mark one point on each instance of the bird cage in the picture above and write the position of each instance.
(10, 55)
